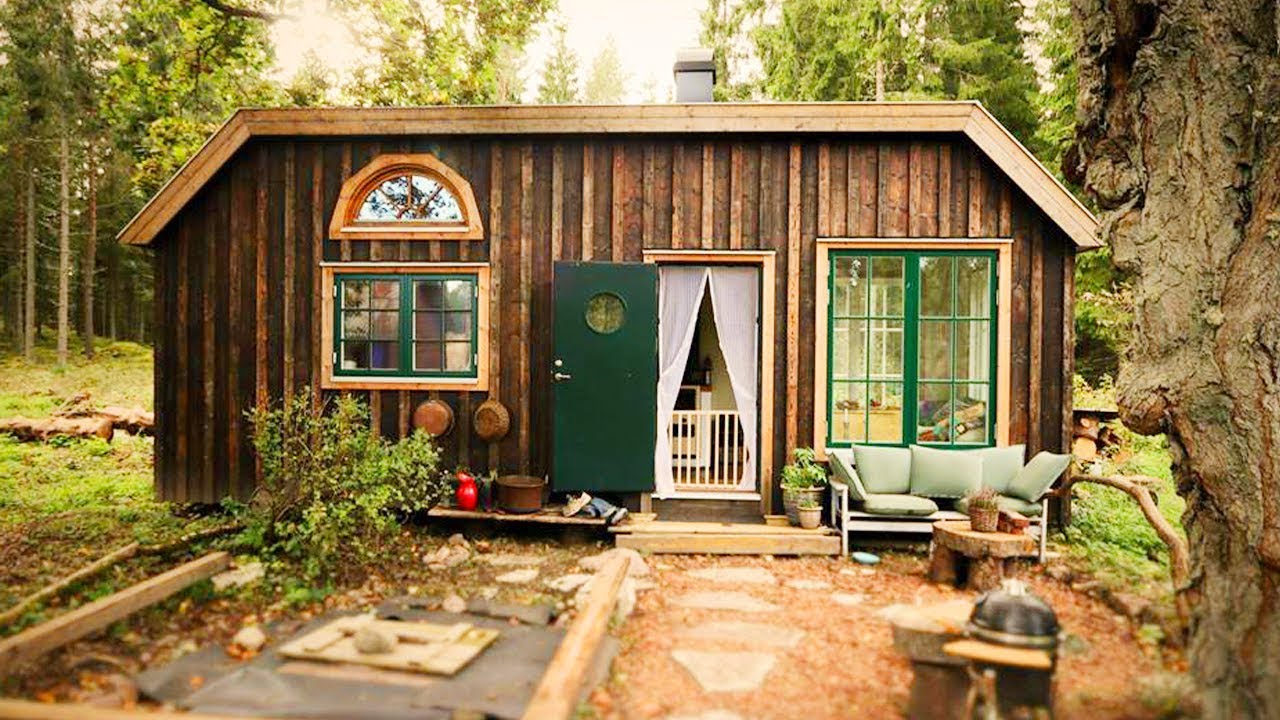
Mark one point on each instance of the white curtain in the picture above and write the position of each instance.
(680, 292)
(735, 302)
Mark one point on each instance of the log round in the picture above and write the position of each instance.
(27, 429)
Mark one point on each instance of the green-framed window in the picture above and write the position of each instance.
(911, 348)
(412, 325)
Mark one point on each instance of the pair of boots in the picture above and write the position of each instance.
(583, 505)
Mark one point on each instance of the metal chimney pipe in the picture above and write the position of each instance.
(695, 75)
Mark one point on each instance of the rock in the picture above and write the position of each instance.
(1074, 645)
(447, 556)
(372, 641)
(238, 576)
(518, 577)
(736, 601)
(747, 575)
(512, 560)
(539, 614)
(1171, 694)
(866, 558)
(489, 593)
(806, 584)
(636, 568)
(250, 638)
(568, 583)
(458, 540)
(746, 632)
(726, 671)
(114, 691)
(1130, 605)
(454, 604)
(626, 597)
(1061, 573)
(848, 599)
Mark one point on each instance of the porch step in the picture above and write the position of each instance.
(705, 538)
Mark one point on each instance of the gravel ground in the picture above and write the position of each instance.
(845, 666)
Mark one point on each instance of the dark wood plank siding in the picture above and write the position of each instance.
(237, 274)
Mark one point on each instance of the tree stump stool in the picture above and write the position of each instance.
(983, 560)
(940, 684)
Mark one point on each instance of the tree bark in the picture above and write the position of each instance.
(64, 247)
(1179, 143)
(90, 256)
(29, 237)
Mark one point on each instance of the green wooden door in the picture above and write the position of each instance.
(604, 376)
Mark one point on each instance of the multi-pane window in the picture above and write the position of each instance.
(410, 197)
(911, 348)
(406, 325)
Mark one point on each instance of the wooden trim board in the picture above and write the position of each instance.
(768, 317)
(955, 117)
(86, 619)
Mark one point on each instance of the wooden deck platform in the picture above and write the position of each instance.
(550, 515)
(712, 538)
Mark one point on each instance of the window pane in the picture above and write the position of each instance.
(355, 356)
(934, 412)
(886, 349)
(973, 287)
(428, 294)
(385, 294)
(458, 294)
(970, 418)
(385, 325)
(385, 355)
(973, 350)
(355, 325)
(428, 356)
(848, 416)
(885, 409)
(887, 286)
(935, 350)
(388, 201)
(457, 326)
(355, 294)
(849, 349)
(427, 326)
(850, 286)
(457, 356)
(935, 286)
(432, 201)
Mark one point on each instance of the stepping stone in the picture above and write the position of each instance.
(857, 572)
(747, 632)
(636, 566)
(803, 584)
(511, 559)
(736, 601)
(726, 671)
(749, 575)
(708, 715)
(570, 582)
(518, 577)
(848, 599)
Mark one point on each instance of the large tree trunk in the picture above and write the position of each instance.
(1179, 138)
(64, 247)
(29, 238)
(90, 256)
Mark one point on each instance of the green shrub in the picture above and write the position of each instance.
(804, 472)
(330, 488)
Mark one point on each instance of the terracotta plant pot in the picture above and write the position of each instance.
(810, 518)
(983, 519)
(792, 497)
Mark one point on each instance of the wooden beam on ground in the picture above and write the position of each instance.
(27, 710)
(48, 591)
(562, 684)
(36, 641)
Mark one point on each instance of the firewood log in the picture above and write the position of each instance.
(1011, 521)
(26, 429)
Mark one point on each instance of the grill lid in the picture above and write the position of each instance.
(1014, 616)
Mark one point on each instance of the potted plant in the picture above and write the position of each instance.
(802, 479)
(984, 512)
(810, 512)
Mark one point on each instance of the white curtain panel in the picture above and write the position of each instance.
(735, 302)
(680, 292)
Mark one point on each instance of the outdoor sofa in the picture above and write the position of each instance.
(906, 490)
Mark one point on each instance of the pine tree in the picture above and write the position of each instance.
(607, 81)
(560, 73)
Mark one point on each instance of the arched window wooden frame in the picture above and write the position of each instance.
(346, 226)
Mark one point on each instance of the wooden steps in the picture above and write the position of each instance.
(712, 538)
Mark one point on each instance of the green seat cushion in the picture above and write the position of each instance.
(841, 460)
(1000, 465)
(944, 473)
(894, 504)
(883, 469)
(1005, 502)
(1037, 476)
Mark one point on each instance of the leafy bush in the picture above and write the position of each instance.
(331, 489)
(804, 472)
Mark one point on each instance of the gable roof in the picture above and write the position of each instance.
(967, 117)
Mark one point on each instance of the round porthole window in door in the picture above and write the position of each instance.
(605, 313)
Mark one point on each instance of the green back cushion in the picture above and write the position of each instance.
(899, 505)
(883, 469)
(841, 460)
(944, 473)
(1033, 480)
(1000, 465)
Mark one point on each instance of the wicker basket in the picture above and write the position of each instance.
(984, 519)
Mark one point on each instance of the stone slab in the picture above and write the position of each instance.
(807, 584)
(746, 575)
(726, 671)
(746, 632)
(848, 599)
(518, 577)
(736, 601)
(511, 559)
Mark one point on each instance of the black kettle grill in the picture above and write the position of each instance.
(1014, 616)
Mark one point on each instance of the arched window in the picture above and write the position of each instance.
(406, 197)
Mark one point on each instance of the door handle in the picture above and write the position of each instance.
(559, 376)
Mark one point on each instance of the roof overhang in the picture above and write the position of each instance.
(969, 118)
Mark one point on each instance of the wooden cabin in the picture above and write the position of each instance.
(666, 300)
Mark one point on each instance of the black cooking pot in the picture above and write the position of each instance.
(1013, 616)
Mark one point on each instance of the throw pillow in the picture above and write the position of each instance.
(1033, 480)
(883, 469)
(944, 473)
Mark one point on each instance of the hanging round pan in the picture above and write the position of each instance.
(434, 416)
(492, 420)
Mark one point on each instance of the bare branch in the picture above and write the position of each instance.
(240, 12)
